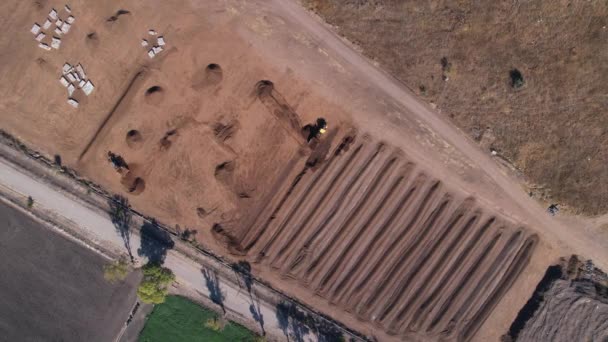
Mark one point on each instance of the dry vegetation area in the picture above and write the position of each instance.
(459, 55)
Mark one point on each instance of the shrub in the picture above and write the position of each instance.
(517, 79)
(215, 324)
(116, 271)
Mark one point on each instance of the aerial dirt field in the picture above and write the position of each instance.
(458, 55)
(392, 222)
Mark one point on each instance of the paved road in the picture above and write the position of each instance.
(100, 228)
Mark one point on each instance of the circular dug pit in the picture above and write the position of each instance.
(210, 76)
(201, 212)
(154, 95)
(264, 88)
(214, 73)
(138, 186)
(134, 139)
(133, 185)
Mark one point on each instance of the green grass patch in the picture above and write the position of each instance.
(178, 319)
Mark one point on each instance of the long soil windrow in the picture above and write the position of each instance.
(433, 263)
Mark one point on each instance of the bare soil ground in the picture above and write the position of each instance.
(458, 55)
(392, 222)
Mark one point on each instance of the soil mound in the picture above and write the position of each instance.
(569, 304)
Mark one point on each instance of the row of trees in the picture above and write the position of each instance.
(156, 280)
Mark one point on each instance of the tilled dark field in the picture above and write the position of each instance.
(53, 289)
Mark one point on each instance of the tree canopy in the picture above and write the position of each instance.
(153, 288)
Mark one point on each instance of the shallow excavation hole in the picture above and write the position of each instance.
(211, 75)
(154, 95)
(133, 185)
(214, 73)
(224, 172)
(154, 89)
(134, 139)
(201, 212)
(264, 88)
(166, 142)
(138, 186)
(118, 14)
(224, 167)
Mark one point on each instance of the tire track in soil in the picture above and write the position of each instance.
(276, 104)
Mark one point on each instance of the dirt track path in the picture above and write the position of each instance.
(568, 238)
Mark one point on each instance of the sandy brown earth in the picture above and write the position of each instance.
(458, 55)
(392, 222)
